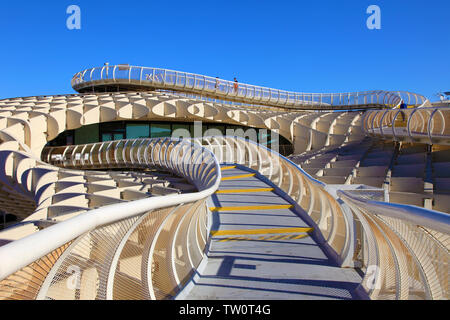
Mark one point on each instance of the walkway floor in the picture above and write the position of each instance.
(264, 252)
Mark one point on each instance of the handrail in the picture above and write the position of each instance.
(434, 220)
(145, 77)
(407, 245)
(178, 159)
(402, 249)
(425, 125)
(323, 210)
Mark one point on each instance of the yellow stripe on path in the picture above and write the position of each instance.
(299, 236)
(243, 208)
(227, 168)
(259, 231)
(245, 190)
(239, 176)
(264, 238)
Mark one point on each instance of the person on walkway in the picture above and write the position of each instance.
(236, 85)
(403, 105)
(217, 83)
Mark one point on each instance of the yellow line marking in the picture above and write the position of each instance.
(242, 208)
(238, 177)
(245, 190)
(264, 238)
(227, 168)
(299, 236)
(216, 233)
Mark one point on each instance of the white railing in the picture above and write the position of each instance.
(404, 250)
(426, 125)
(36, 266)
(144, 77)
(334, 229)
(148, 249)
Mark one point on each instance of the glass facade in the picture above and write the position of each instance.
(137, 130)
(112, 136)
(182, 130)
(86, 134)
(117, 130)
(112, 130)
(158, 130)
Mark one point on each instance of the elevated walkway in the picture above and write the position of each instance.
(418, 125)
(134, 78)
(261, 248)
(262, 228)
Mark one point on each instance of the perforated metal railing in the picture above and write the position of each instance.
(403, 250)
(143, 249)
(144, 77)
(426, 125)
(309, 193)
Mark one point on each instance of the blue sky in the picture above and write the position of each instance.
(309, 46)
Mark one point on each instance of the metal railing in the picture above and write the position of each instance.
(334, 225)
(146, 248)
(403, 250)
(426, 125)
(145, 77)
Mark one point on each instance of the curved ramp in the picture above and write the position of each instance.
(134, 78)
(261, 248)
(419, 125)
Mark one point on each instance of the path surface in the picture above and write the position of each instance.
(261, 249)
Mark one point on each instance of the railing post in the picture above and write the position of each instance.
(408, 125)
(430, 122)
(381, 122)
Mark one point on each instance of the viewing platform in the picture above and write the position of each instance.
(133, 78)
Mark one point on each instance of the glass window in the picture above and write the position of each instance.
(112, 130)
(112, 136)
(176, 126)
(107, 137)
(160, 130)
(135, 131)
(216, 128)
(86, 134)
(182, 127)
(118, 136)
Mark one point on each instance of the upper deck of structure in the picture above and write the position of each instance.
(134, 78)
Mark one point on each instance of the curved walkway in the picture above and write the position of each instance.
(135, 78)
(262, 249)
(419, 125)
